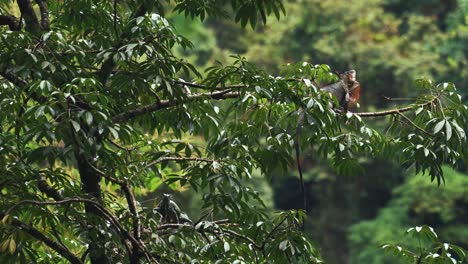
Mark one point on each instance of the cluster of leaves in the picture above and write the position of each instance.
(438, 253)
(416, 201)
(94, 113)
(363, 35)
(246, 11)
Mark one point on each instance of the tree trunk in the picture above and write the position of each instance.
(90, 184)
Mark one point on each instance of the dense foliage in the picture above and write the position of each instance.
(99, 108)
(416, 201)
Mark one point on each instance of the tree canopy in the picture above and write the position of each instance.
(98, 108)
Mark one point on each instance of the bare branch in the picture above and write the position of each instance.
(397, 99)
(45, 23)
(11, 21)
(386, 112)
(399, 110)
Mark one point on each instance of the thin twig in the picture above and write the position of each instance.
(398, 110)
(234, 233)
(177, 159)
(119, 146)
(416, 126)
(200, 86)
(273, 230)
(397, 99)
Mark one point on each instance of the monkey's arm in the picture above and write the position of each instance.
(336, 89)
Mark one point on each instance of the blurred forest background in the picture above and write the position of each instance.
(390, 43)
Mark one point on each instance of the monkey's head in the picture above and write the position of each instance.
(166, 197)
(348, 76)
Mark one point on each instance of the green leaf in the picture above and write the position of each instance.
(6, 219)
(283, 245)
(439, 126)
(76, 125)
(459, 130)
(39, 111)
(114, 132)
(216, 165)
(12, 246)
(88, 118)
(448, 131)
(4, 245)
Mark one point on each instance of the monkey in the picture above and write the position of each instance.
(346, 91)
(170, 211)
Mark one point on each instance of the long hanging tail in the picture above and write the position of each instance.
(300, 123)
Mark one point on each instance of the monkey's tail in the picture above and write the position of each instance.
(300, 123)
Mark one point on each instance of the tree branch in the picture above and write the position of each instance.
(27, 12)
(48, 190)
(176, 159)
(131, 201)
(200, 86)
(11, 21)
(60, 249)
(176, 226)
(399, 110)
(227, 93)
(45, 23)
(109, 64)
(416, 126)
(119, 146)
(139, 111)
(387, 112)
(233, 233)
(103, 212)
(12, 78)
(272, 231)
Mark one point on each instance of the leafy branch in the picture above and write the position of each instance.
(101, 211)
(59, 248)
(159, 160)
(223, 93)
(139, 111)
